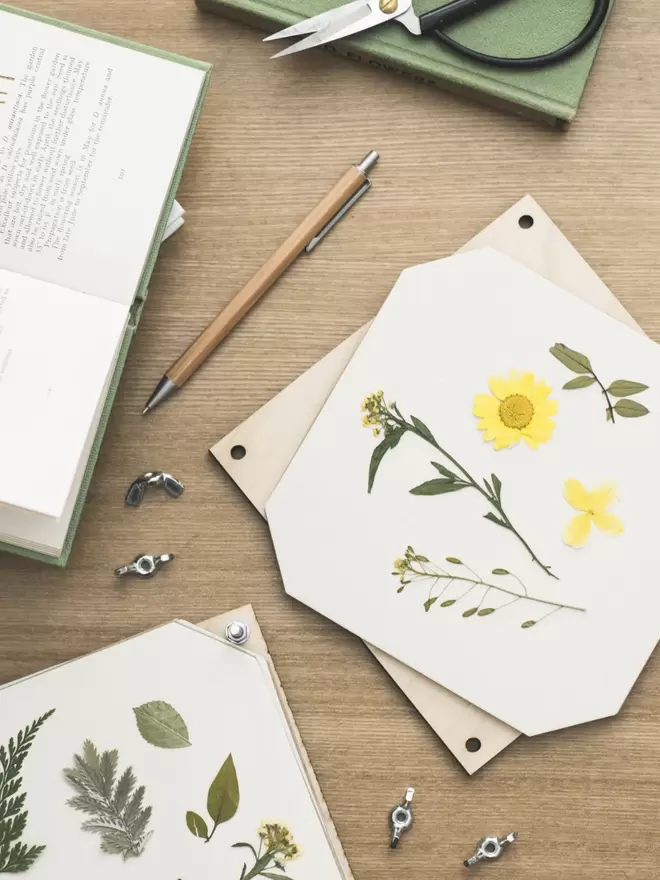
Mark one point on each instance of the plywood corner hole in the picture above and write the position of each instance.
(238, 452)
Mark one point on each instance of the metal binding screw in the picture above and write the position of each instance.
(138, 487)
(144, 566)
(401, 818)
(490, 848)
(237, 632)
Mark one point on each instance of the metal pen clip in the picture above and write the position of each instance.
(365, 166)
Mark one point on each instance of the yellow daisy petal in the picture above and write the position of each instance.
(601, 498)
(608, 523)
(485, 405)
(506, 437)
(577, 531)
(500, 387)
(530, 441)
(526, 385)
(539, 429)
(546, 408)
(576, 495)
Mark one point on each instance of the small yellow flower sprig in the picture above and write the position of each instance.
(386, 418)
(413, 567)
(276, 848)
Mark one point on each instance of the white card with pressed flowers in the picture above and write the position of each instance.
(478, 496)
(166, 757)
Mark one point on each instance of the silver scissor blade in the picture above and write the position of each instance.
(317, 23)
(357, 17)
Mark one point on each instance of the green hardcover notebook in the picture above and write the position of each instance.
(513, 28)
(94, 134)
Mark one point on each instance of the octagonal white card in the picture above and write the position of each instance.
(478, 496)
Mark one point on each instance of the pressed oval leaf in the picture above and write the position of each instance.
(469, 612)
(625, 388)
(429, 603)
(500, 571)
(437, 487)
(196, 825)
(454, 560)
(447, 603)
(579, 382)
(497, 484)
(630, 409)
(161, 725)
(574, 360)
(423, 430)
(400, 590)
(527, 624)
(223, 796)
(485, 612)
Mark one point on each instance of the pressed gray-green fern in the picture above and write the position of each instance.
(16, 857)
(115, 806)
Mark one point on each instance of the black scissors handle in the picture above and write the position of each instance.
(450, 13)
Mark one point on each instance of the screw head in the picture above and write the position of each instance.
(237, 632)
(389, 7)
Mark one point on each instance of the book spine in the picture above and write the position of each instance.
(245, 16)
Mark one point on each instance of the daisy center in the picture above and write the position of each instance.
(516, 411)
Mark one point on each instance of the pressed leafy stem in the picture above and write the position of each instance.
(221, 802)
(276, 848)
(16, 857)
(161, 725)
(114, 805)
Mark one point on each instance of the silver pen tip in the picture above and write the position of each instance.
(368, 162)
(145, 410)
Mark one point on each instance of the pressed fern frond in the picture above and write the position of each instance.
(16, 857)
(118, 816)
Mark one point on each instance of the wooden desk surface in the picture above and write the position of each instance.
(272, 138)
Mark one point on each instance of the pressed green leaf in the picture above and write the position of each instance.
(527, 624)
(500, 571)
(469, 612)
(161, 725)
(423, 430)
(429, 603)
(245, 846)
(579, 382)
(629, 409)
(491, 516)
(274, 876)
(489, 488)
(447, 603)
(608, 416)
(422, 559)
(400, 590)
(574, 360)
(485, 612)
(454, 560)
(497, 485)
(223, 797)
(445, 471)
(197, 825)
(379, 452)
(437, 487)
(625, 388)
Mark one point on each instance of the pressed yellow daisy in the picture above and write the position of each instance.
(593, 507)
(517, 408)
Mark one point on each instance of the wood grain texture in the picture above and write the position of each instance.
(584, 800)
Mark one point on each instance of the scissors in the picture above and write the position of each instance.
(361, 15)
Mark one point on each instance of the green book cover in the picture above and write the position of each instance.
(514, 28)
(141, 292)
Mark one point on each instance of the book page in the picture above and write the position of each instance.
(56, 349)
(90, 136)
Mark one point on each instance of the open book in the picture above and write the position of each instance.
(92, 137)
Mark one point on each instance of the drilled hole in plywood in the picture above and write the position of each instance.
(238, 452)
(526, 221)
(473, 744)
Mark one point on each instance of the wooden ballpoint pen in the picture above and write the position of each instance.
(311, 231)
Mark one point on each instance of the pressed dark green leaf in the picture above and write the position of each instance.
(437, 487)
(400, 590)
(422, 429)
(579, 382)
(196, 825)
(497, 485)
(454, 560)
(485, 612)
(625, 388)
(630, 409)
(489, 488)
(161, 725)
(574, 360)
(500, 571)
(223, 797)
(422, 559)
(445, 471)
(245, 846)
(491, 516)
(527, 624)
(429, 603)
(274, 876)
(469, 612)
(447, 603)
(379, 452)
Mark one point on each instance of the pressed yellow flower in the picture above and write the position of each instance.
(517, 408)
(593, 507)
